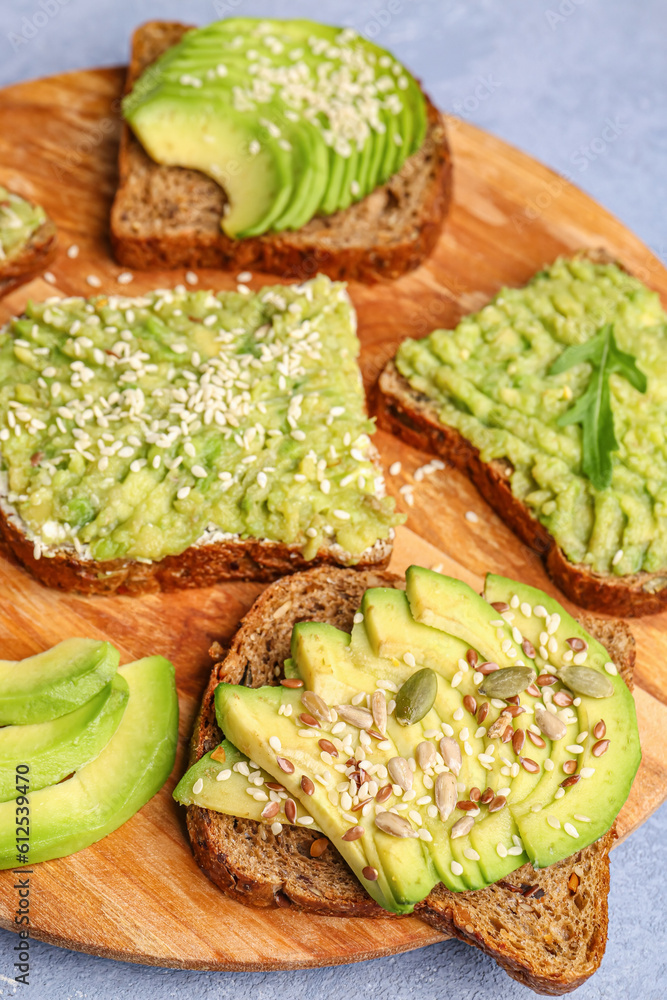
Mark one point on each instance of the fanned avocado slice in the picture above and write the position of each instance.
(55, 682)
(103, 794)
(568, 818)
(52, 750)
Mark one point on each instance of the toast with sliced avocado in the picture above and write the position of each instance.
(286, 147)
(183, 437)
(27, 240)
(493, 871)
(548, 399)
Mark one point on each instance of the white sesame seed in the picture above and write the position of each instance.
(191, 278)
(548, 764)
(571, 830)
(574, 748)
(50, 277)
(276, 828)
(223, 775)
(94, 281)
(394, 468)
(342, 515)
(472, 516)
(611, 668)
(559, 793)
(275, 743)
(183, 492)
(501, 850)
(73, 251)
(617, 557)
(124, 278)
(587, 772)
(198, 472)
(456, 868)
(457, 715)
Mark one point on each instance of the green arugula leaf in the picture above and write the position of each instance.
(593, 409)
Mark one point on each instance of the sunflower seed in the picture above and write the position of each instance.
(451, 754)
(316, 706)
(379, 710)
(462, 827)
(396, 826)
(549, 724)
(361, 718)
(507, 682)
(400, 773)
(426, 755)
(586, 681)
(416, 696)
(445, 794)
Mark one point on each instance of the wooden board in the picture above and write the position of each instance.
(138, 895)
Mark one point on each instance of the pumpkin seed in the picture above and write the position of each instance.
(462, 827)
(507, 682)
(584, 680)
(379, 710)
(549, 724)
(426, 755)
(445, 794)
(400, 773)
(361, 718)
(396, 826)
(451, 754)
(416, 696)
(316, 706)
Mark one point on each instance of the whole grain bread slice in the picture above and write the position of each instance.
(170, 216)
(546, 928)
(413, 417)
(33, 257)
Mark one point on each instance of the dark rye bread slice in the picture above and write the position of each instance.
(546, 928)
(170, 216)
(33, 257)
(413, 417)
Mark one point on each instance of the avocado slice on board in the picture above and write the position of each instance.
(55, 682)
(52, 750)
(133, 766)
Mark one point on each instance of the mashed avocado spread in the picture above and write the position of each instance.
(490, 379)
(137, 427)
(18, 221)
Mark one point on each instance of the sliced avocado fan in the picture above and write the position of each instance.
(450, 737)
(291, 118)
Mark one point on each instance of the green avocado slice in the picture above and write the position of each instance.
(555, 820)
(52, 750)
(452, 606)
(229, 794)
(132, 767)
(55, 682)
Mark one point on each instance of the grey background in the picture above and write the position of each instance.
(579, 84)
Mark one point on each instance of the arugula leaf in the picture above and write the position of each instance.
(593, 409)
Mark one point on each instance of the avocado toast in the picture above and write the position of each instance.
(182, 438)
(492, 397)
(525, 919)
(166, 215)
(27, 240)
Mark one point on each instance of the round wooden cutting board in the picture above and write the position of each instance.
(138, 895)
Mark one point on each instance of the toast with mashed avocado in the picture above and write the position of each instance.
(356, 813)
(27, 240)
(183, 437)
(282, 146)
(551, 399)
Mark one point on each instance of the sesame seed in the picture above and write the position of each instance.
(471, 516)
(124, 278)
(571, 830)
(611, 668)
(73, 251)
(276, 828)
(587, 772)
(50, 277)
(617, 557)
(456, 868)
(191, 278)
(275, 743)
(198, 472)
(183, 492)
(223, 775)
(94, 281)
(342, 515)
(358, 618)
(244, 276)
(394, 468)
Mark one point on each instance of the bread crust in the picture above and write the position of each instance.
(198, 566)
(33, 258)
(413, 417)
(293, 255)
(259, 869)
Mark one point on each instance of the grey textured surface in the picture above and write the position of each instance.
(581, 85)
